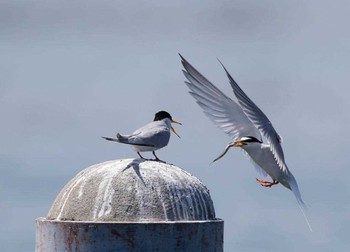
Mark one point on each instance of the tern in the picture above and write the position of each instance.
(151, 137)
(246, 124)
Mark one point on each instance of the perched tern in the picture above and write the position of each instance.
(245, 123)
(151, 137)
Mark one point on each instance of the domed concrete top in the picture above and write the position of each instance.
(133, 190)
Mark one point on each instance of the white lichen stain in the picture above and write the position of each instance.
(66, 196)
(181, 195)
(105, 192)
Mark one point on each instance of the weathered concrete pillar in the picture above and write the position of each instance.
(131, 205)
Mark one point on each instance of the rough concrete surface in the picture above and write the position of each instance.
(133, 190)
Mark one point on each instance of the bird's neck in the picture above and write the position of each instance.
(167, 122)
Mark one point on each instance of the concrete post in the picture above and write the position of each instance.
(131, 205)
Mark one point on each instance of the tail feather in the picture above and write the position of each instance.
(125, 140)
(122, 138)
(111, 139)
(303, 208)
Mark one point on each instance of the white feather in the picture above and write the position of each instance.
(260, 170)
(295, 189)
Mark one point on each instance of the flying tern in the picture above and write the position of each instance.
(246, 124)
(151, 137)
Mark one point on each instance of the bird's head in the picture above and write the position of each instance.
(245, 141)
(161, 115)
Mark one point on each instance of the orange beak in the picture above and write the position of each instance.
(239, 143)
(173, 130)
(173, 121)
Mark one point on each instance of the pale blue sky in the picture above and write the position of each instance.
(72, 71)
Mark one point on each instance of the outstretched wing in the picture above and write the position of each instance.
(260, 120)
(222, 110)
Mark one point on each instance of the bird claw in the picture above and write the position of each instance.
(158, 160)
(266, 184)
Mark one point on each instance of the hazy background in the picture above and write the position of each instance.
(72, 71)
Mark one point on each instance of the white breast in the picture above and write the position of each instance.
(263, 157)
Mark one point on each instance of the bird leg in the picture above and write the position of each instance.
(265, 183)
(157, 159)
(138, 153)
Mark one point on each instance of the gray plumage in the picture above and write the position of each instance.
(151, 137)
(245, 123)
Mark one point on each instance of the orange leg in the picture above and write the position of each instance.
(265, 183)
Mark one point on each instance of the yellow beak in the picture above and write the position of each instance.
(173, 121)
(173, 130)
(239, 143)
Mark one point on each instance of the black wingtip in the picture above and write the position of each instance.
(188, 67)
(227, 73)
(181, 57)
(183, 60)
(222, 65)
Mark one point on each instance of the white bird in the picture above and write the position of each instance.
(151, 137)
(245, 123)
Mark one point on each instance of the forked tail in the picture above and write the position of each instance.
(294, 187)
(120, 139)
(111, 139)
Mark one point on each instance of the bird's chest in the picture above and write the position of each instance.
(263, 157)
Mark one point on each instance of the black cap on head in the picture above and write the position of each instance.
(251, 139)
(161, 115)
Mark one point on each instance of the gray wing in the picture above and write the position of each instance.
(222, 110)
(260, 120)
(124, 140)
(151, 134)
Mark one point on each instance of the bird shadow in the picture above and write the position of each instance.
(135, 164)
